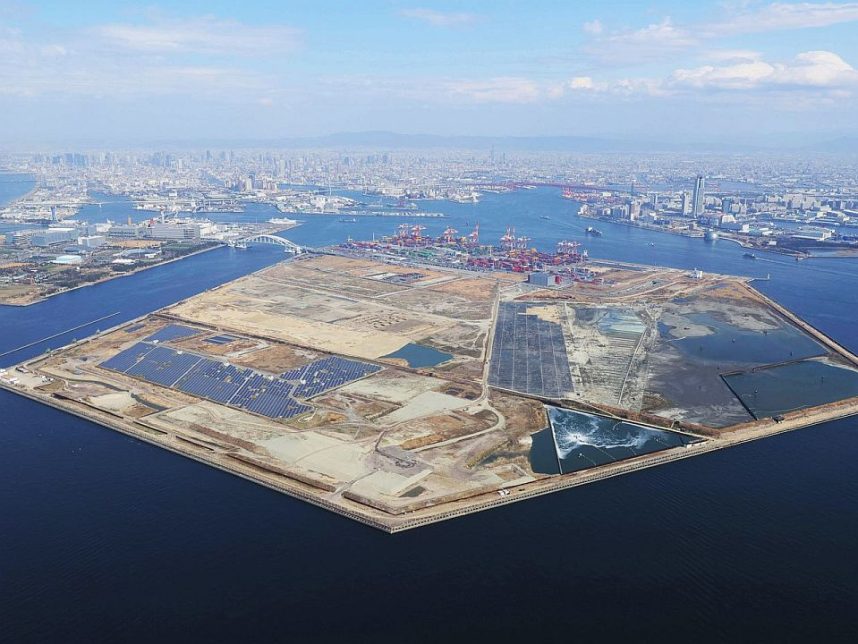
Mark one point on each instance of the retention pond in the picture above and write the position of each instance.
(779, 389)
(582, 441)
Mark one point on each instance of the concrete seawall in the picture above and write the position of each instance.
(463, 507)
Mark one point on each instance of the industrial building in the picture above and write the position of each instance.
(51, 236)
(542, 279)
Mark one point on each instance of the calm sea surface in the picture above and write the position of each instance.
(12, 186)
(103, 538)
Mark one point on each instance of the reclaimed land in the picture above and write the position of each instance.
(282, 377)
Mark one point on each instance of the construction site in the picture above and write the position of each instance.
(399, 392)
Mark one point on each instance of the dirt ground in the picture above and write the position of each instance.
(330, 303)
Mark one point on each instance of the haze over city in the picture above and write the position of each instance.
(662, 72)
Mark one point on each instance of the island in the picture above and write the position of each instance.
(408, 380)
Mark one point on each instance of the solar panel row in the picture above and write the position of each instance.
(214, 380)
(326, 374)
(128, 358)
(529, 353)
(172, 332)
(220, 339)
(163, 366)
(253, 386)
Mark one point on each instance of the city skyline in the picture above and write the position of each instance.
(768, 74)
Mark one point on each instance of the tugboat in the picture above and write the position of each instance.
(749, 256)
(595, 232)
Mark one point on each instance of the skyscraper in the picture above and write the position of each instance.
(699, 190)
(686, 203)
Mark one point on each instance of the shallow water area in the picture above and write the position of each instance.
(788, 387)
(419, 355)
(728, 343)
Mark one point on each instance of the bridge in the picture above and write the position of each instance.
(574, 187)
(288, 246)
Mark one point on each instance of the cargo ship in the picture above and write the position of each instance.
(284, 221)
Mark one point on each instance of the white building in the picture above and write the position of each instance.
(186, 232)
(53, 236)
(68, 260)
(91, 241)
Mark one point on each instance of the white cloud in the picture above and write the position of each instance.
(53, 50)
(732, 55)
(142, 60)
(498, 90)
(813, 69)
(780, 16)
(653, 42)
(817, 69)
(594, 27)
(122, 81)
(203, 35)
(737, 76)
(440, 18)
(581, 83)
(665, 39)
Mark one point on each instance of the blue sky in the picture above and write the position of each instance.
(125, 72)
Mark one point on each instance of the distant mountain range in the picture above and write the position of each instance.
(394, 140)
(842, 145)
(571, 144)
(384, 141)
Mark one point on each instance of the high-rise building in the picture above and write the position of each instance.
(699, 192)
(686, 203)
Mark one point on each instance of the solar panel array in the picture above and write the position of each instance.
(227, 384)
(326, 374)
(273, 399)
(214, 380)
(529, 354)
(128, 358)
(172, 332)
(220, 339)
(163, 366)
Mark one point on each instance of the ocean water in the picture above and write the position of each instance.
(104, 538)
(14, 185)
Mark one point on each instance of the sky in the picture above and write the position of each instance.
(116, 72)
